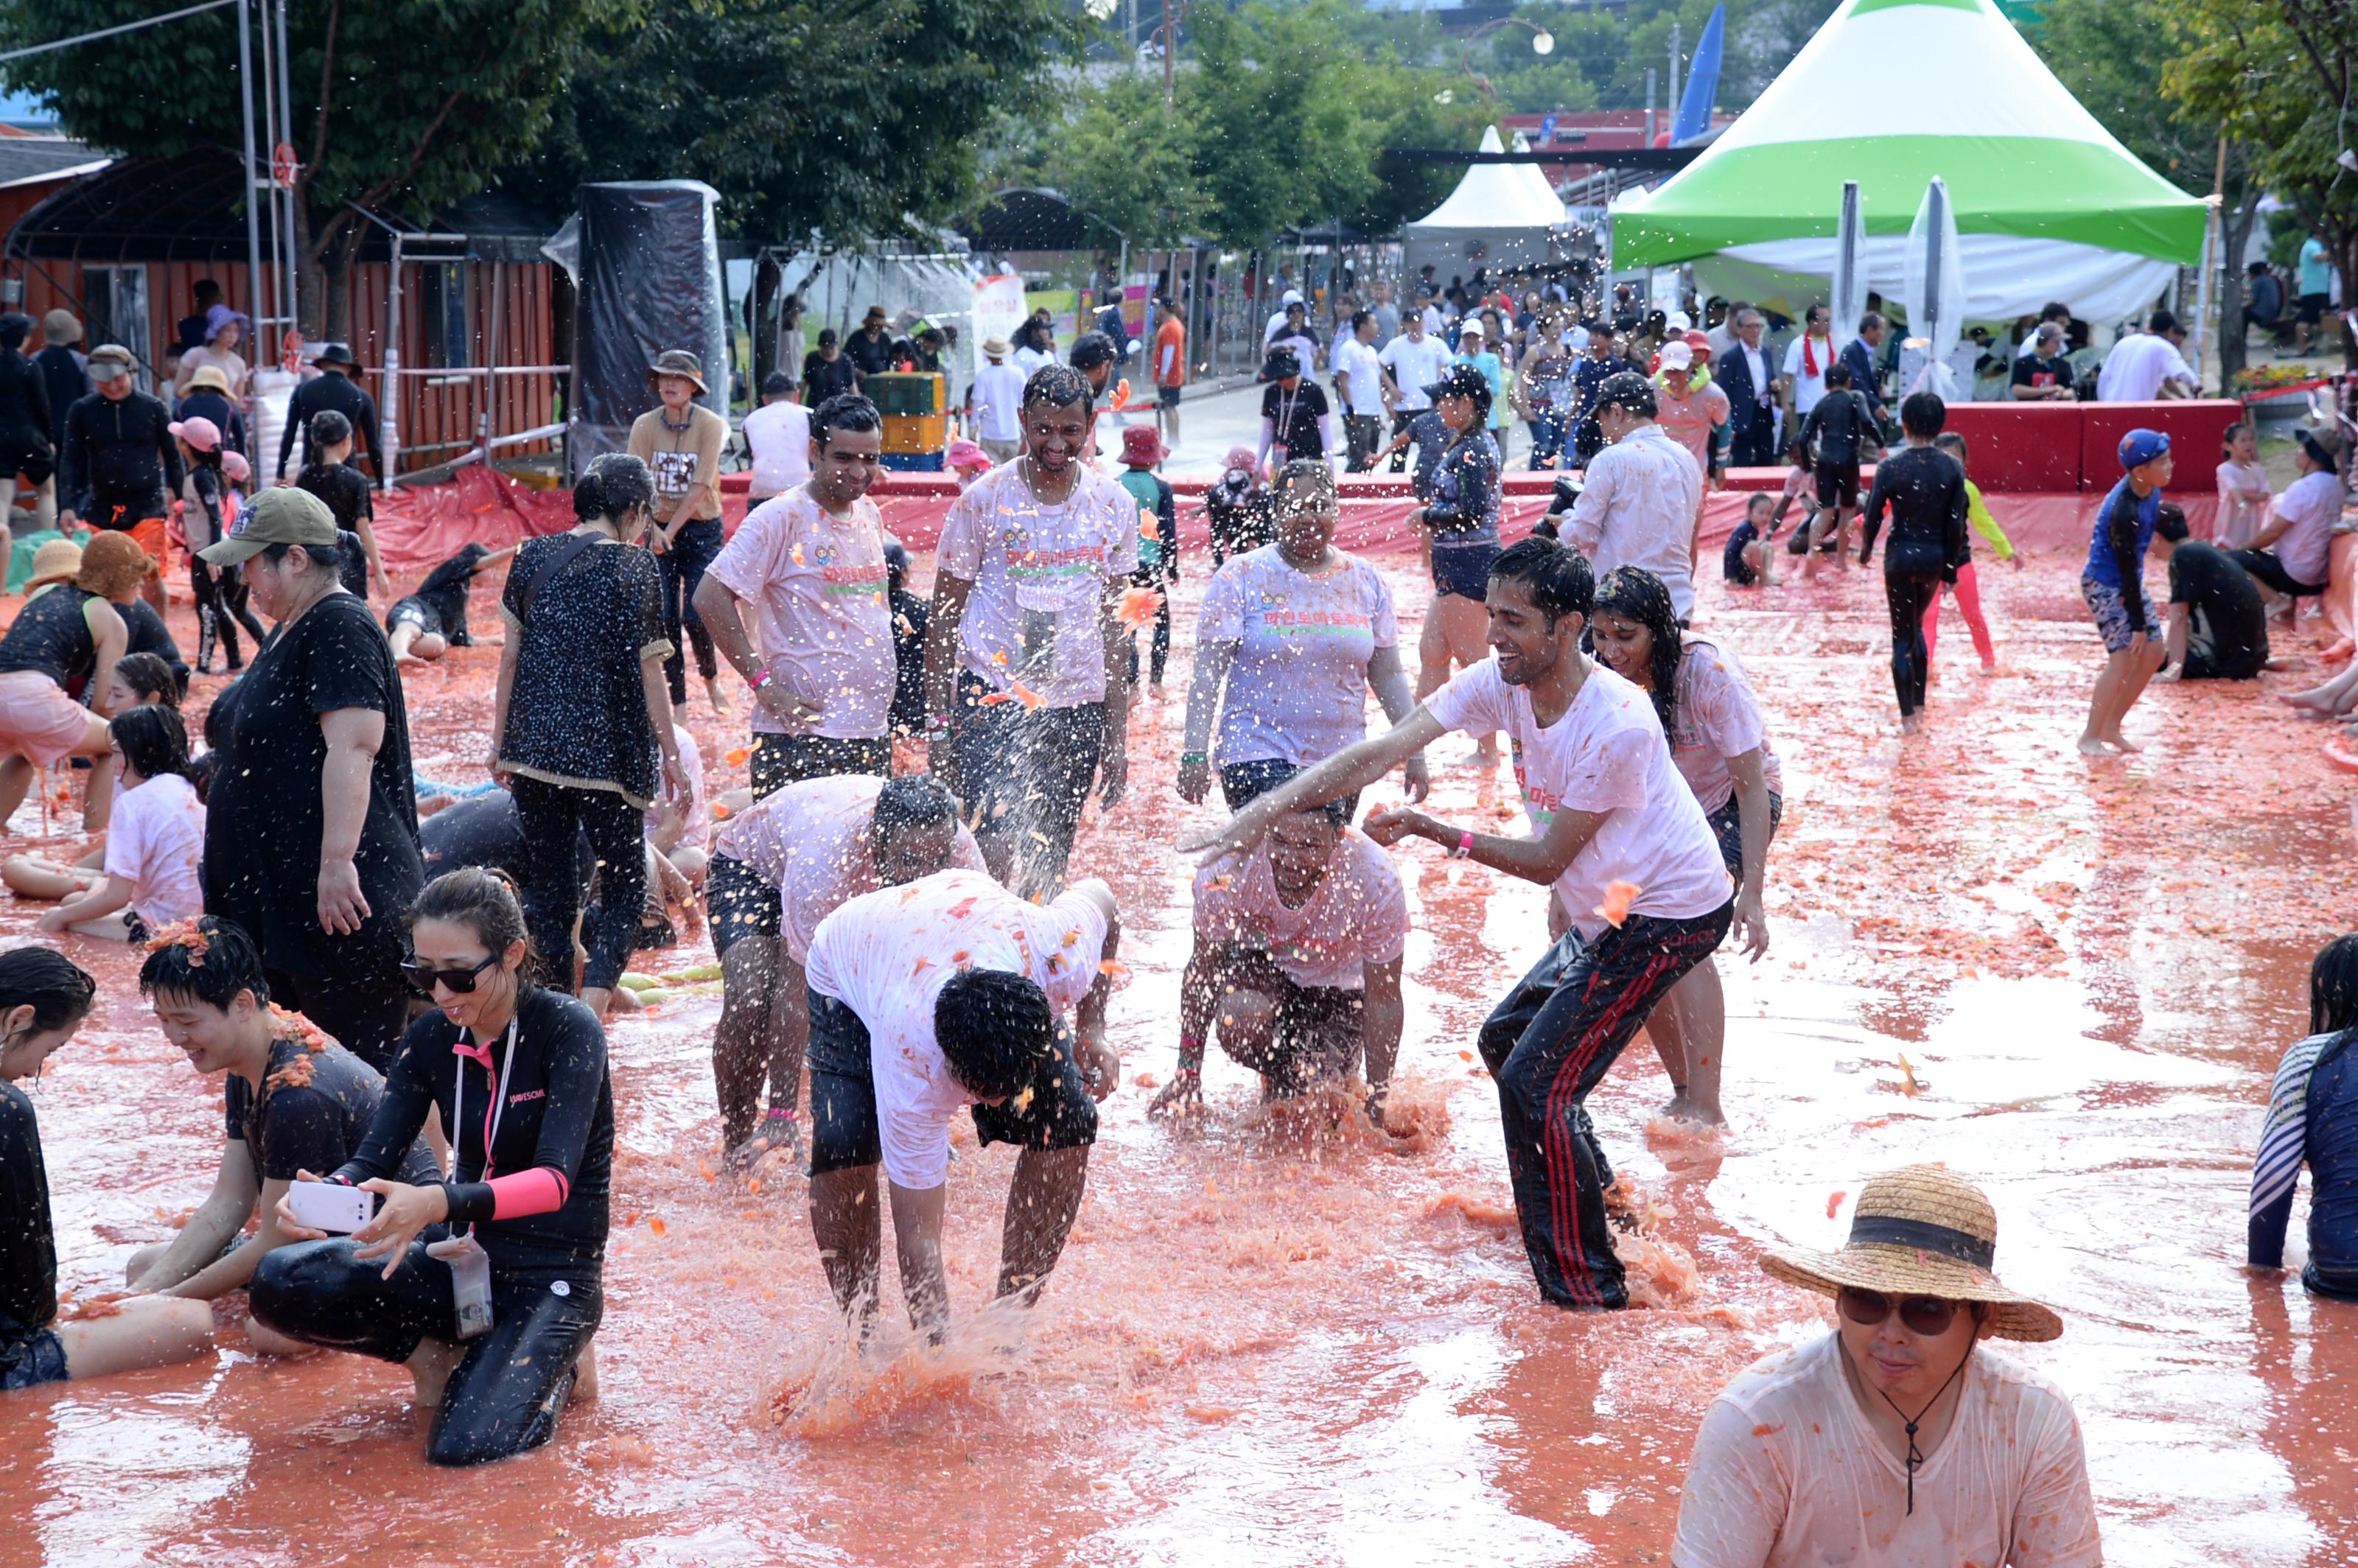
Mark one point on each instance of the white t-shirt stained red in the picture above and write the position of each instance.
(1605, 755)
(1716, 718)
(887, 955)
(154, 841)
(809, 840)
(1040, 576)
(1357, 916)
(817, 585)
(1298, 689)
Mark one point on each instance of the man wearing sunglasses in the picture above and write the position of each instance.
(1897, 1439)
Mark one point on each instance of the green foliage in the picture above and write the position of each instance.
(2109, 54)
(804, 115)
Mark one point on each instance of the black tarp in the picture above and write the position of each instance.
(649, 266)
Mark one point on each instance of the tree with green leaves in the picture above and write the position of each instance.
(400, 107)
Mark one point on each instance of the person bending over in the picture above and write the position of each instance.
(154, 842)
(43, 1000)
(60, 637)
(1296, 963)
(1896, 1438)
(1720, 743)
(1619, 838)
(943, 994)
(2313, 1120)
(2218, 623)
(2113, 584)
(778, 868)
(433, 621)
(487, 1286)
(293, 1100)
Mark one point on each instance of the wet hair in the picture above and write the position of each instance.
(328, 428)
(149, 676)
(994, 1030)
(213, 968)
(612, 484)
(1558, 580)
(14, 327)
(1058, 386)
(44, 979)
(152, 739)
(2332, 987)
(1955, 445)
(916, 801)
(1091, 350)
(327, 557)
(2170, 523)
(1837, 375)
(844, 411)
(1633, 593)
(1311, 474)
(1924, 414)
(483, 899)
(896, 562)
(776, 384)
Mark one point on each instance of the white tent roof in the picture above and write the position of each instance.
(1496, 197)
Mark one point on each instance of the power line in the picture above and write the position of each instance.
(110, 32)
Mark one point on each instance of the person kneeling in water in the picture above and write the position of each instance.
(942, 994)
(43, 1000)
(493, 1323)
(433, 621)
(778, 868)
(1297, 959)
(295, 1101)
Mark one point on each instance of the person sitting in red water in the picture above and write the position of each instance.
(1896, 1438)
(1297, 961)
(943, 994)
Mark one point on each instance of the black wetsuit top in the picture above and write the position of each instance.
(441, 599)
(150, 636)
(331, 390)
(24, 420)
(313, 1117)
(29, 1250)
(1841, 427)
(51, 635)
(1925, 489)
(119, 453)
(66, 383)
(558, 1118)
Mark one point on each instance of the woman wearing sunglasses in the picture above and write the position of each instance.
(582, 714)
(493, 1318)
(1897, 1439)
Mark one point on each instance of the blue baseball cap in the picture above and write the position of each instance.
(2139, 447)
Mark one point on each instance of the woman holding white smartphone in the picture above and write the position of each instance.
(294, 1102)
(494, 1321)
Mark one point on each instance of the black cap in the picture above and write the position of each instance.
(1282, 362)
(1629, 391)
(1460, 381)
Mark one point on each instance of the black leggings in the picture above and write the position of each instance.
(507, 1391)
(220, 593)
(2264, 565)
(1910, 594)
(692, 549)
(554, 817)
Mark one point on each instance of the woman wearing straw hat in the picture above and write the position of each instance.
(70, 633)
(1897, 1439)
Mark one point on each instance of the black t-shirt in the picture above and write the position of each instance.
(345, 489)
(264, 817)
(441, 601)
(484, 830)
(823, 377)
(557, 1115)
(315, 1110)
(908, 616)
(2029, 369)
(28, 1252)
(1295, 415)
(150, 636)
(577, 711)
(869, 356)
(2230, 623)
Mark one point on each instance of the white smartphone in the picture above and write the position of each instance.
(330, 1205)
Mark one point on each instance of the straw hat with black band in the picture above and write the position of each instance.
(1922, 1230)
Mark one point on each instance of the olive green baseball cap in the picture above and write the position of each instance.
(279, 515)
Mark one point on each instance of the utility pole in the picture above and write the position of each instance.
(1172, 20)
(1650, 108)
(1673, 102)
(287, 129)
(253, 218)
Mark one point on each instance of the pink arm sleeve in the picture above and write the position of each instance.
(538, 1191)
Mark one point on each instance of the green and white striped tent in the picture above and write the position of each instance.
(1891, 92)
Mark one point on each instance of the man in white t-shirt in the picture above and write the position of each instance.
(811, 564)
(777, 434)
(1411, 362)
(1806, 359)
(1360, 379)
(1297, 962)
(2292, 554)
(780, 866)
(1642, 503)
(1616, 833)
(998, 398)
(1897, 1439)
(2143, 366)
(1027, 662)
(926, 1000)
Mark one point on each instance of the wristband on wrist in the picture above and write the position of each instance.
(1191, 757)
(1465, 845)
(1191, 1053)
(761, 677)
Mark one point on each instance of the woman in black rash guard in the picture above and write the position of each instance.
(1925, 490)
(520, 1071)
(43, 1000)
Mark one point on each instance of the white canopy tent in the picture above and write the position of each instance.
(1499, 216)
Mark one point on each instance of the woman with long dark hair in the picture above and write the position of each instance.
(154, 840)
(488, 1285)
(1720, 743)
(582, 714)
(43, 1000)
(2313, 1120)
